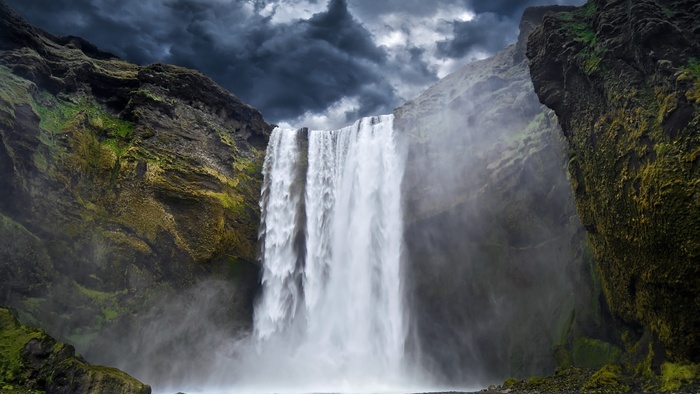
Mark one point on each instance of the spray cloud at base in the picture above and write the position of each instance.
(331, 314)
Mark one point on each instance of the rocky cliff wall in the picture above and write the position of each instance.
(623, 78)
(32, 360)
(500, 270)
(124, 188)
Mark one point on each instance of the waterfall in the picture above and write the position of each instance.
(331, 313)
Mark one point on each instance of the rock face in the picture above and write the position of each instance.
(496, 253)
(30, 359)
(623, 77)
(121, 186)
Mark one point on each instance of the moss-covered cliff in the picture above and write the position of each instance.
(623, 78)
(121, 185)
(31, 361)
(502, 280)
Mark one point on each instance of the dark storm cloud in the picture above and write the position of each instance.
(373, 8)
(290, 67)
(284, 70)
(486, 33)
(493, 28)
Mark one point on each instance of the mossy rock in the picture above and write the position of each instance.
(594, 353)
(679, 377)
(608, 380)
(633, 128)
(119, 183)
(31, 360)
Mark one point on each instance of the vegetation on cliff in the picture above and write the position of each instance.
(622, 78)
(121, 185)
(31, 360)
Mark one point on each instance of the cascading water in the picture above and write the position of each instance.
(331, 313)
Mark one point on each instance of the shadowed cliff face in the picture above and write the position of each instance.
(121, 187)
(624, 80)
(495, 250)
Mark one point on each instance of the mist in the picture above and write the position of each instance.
(493, 242)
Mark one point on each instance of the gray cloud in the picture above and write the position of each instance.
(493, 28)
(486, 33)
(292, 66)
(284, 70)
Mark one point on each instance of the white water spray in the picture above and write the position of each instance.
(331, 314)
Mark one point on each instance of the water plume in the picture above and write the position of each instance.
(331, 315)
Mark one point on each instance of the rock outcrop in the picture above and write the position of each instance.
(32, 360)
(623, 78)
(121, 186)
(500, 271)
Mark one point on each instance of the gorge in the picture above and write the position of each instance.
(160, 225)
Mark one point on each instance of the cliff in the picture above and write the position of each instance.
(623, 78)
(499, 266)
(122, 186)
(32, 360)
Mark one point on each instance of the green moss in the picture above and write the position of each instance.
(588, 10)
(117, 146)
(535, 127)
(83, 339)
(691, 72)
(579, 25)
(566, 16)
(231, 201)
(607, 379)
(636, 186)
(148, 94)
(593, 353)
(101, 379)
(675, 376)
(32, 307)
(250, 168)
(107, 307)
(565, 380)
(99, 297)
(561, 352)
(510, 382)
(110, 314)
(13, 338)
(14, 90)
(61, 115)
(692, 69)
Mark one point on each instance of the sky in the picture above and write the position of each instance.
(316, 63)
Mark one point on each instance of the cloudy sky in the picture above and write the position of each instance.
(316, 63)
